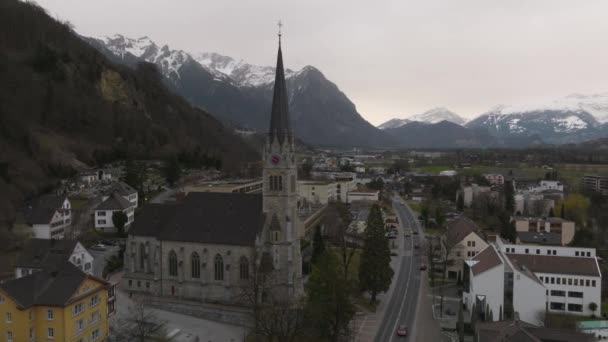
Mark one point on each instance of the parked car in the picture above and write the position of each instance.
(98, 247)
(108, 243)
(423, 267)
(402, 331)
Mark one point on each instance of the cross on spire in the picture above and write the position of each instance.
(280, 25)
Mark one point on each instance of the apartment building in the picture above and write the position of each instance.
(49, 216)
(317, 191)
(595, 183)
(61, 305)
(556, 225)
(461, 241)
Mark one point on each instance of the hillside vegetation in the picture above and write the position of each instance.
(64, 105)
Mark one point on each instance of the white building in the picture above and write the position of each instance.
(41, 254)
(547, 185)
(127, 192)
(469, 193)
(317, 191)
(107, 208)
(49, 216)
(448, 173)
(522, 280)
(461, 241)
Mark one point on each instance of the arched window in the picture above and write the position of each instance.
(195, 265)
(271, 183)
(244, 268)
(142, 256)
(172, 264)
(219, 267)
(280, 187)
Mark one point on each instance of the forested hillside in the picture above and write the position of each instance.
(63, 105)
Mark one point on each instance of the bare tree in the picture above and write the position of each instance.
(337, 220)
(140, 325)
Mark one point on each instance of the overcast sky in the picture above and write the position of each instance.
(391, 58)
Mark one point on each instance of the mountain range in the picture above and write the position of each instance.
(571, 119)
(240, 94)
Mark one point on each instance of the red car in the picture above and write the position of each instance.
(402, 331)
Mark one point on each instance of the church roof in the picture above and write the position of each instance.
(205, 217)
(279, 119)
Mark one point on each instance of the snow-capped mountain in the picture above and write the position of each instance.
(240, 93)
(571, 119)
(431, 116)
(393, 123)
(436, 115)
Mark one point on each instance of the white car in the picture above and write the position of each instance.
(98, 247)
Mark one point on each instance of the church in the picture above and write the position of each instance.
(210, 246)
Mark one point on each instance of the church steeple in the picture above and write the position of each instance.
(279, 119)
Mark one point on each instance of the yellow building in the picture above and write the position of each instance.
(62, 304)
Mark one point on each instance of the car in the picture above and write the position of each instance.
(423, 267)
(402, 331)
(108, 243)
(98, 247)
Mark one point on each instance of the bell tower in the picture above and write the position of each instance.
(280, 194)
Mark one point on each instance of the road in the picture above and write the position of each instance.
(402, 304)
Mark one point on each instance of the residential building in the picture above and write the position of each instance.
(469, 193)
(494, 178)
(127, 192)
(63, 304)
(363, 195)
(557, 225)
(106, 209)
(534, 203)
(507, 281)
(460, 242)
(595, 183)
(317, 191)
(208, 246)
(547, 185)
(49, 217)
(519, 331)
(42, 254)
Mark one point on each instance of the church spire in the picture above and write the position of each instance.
(279, 119)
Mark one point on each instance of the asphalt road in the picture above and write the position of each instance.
(402, 306)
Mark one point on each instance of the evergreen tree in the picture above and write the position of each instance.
(509, 197)
(329, 308)
(551, 212)
(119, 219)
(439, 217)
(172, 170)
(460, 202)
(318, 246)
(425, 213)
(563, 212)
(375, 272)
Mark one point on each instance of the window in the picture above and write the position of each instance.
(101, 221)
(50, 333)
(575, 307)
(527, 251)
(558, 306)
(79, 326)
(218, 267)
(569, 281)
(195, 265)
(9, 317)
(587, 282)
(94, 300)
(101, 213)
(138, 283)
(576, 253)
(172, 264)
(558, 293)
(588, 254)
(95, 317)
(574, 294)
(95, 334)
(244, 268)
(552, 280)
(554, 252)
(49, 314)
(541, 279)
(147, 284)
(77, 309)
(9, 336)
(130, 282)
(32, 333)
(472, 243)
(593, 283)
(575, 282)
(538, 251)
(87, 266)
(548, 252)
(142, 256)
(31, 314)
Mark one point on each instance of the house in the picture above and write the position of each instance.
(91, 176)
(460, 242)
(50, 216)
(126, 191)
(547, 185)
(42, 254)
(494, 178)
(505, 281)
(519, 331)
(363, 195)
(469, 193)
(556, 225)
(595, 183)
(62, 304)
(106, 209)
